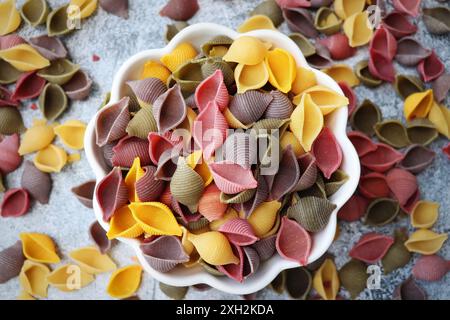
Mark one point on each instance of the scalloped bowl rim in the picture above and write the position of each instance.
(337, 121)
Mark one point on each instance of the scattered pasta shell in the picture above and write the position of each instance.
(69, 277)
(250, 77)
(421, 131)
(406, 85)
(24, 57)
(436, 19)
(365, 117)
(409, 290)
(180, 55)
(397, 256)
(36, 138)
(124, 282)
(50, 159)
(37, 183)
(33, 278)
(305, 46)
(71, 134)
(39, 248)
(86, 7)
(326, 280)
(346, 8)
(362, 143)
(214, 248)
(342, 73)
(92, 261)
(393, 133)
(381, 212)
(58, 21)
(10, 17)
(424, 214)
(353, 277)
(326, 21)
(247, 51)
(425, 242)
(270, 9)
(417, 158)
(161, 221)
(430, 268)
(35, 12)
(48, 47)
(371, 247)
(300, 20)
(16, 203)
(52, 101)
(440, 117)
(358, 29)
(282, 69)
(418, 105)
(256, 22)
(176, 293)
(59, 72)
(398, 24)
(363, 73)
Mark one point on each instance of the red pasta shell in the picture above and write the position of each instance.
(402, 184)
(371, 248)
(382, 158)
(374, 185)
(16, 203)
(338, 46)
(327, 152)
(353, 209)
(10, 159)
(293, 242)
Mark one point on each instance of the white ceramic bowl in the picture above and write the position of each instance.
(198, 34)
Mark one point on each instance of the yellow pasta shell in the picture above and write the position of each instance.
(187, 244)
(288, 138)
(263, 217)
(188, 122)
(326, 280)
(425, 242)
(246, 50)
(25, 296)
(36, 138)
(326, 99)
(33, 278)
(71, 134)
(256, 22)
(342, 73)
(440, 117)
(155, 218)
(227, 216)
(136, 172)
(424, 214)
(196, 161)
(214, 248)
(124, 225)
(251, 77)
(74, 157)
(92, 261)
(39, 247)
(183, 53)
(69, 277)
(154, 69)
(358, 29)
(124, 282)
(10, 20)
(346, 8)
(282, 69)
(87, 7)
(304, 79)
(233, 122)
(306, 122)
(418, 105)
(50, 159)
(24, 57)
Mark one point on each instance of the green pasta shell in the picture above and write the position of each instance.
(306, 47)
(405, 85)
(174, 28)
(298, 283)
(8, 74)
(363, 74)
(176, 293)
(337, 180)
(326, 21)
(189, 75)
(106, 100)
(365, 117)
(278, 284)
(10, 121)
(211, 269)
(392, 132)
(312, 213)
(222, 41)
(212, 64)
(59, 72)
(58, 22)
(35, 12)
(271, 124)
(397, 256)
(197, 225)
(237, 198)
(186, 184)
(381, 212)
(271, 9)
(421, 131)
(142, 123)
(317, 190)
(353, 276)
(52, 101)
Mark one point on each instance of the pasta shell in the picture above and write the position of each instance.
(239, 232)
(11, 261)
(430, 268)
(278, 284)
(180, 10)
(321, 59)
(52, 101)
(71, 134)
(264, 217)
(382, 158)
(327, 152)
(37, 183)
(421, 131)
(183, 53)
(338, 46)
(261, 194)
(409, 290)
(33, 278)
(23, 57)
(436, 19)
(265, 247)
(209, 204)
(384, 44)
(416, 159)
(440, 117)
(216, 42)
(365, 117)
(195, 161)
(342, 73)
(282, 69)
(358, 29)
(398, 24)
(171, 31)
(39, 248)
(92, 261)
(297, 250)
(212, 89)
(148, 188)
(306, 131)
(346, 8)
(158, 144)
(397, 256)
(50, 48)
(69, 277)
(234, 271)
(402, 184)
(186, 185)
(246, 50)
(10, 41)
(99, 237)
(227, 216)
(171, 100)
(353, 277)
(424, 214)
(425, 242)
(256, 22)
(35, 12)
(8, 74)
(85, 192)
(134, 174)
(305, 79)
(353, 209)
(214, 248)
(300, 20)
(124, 282)
(111, 193)
(298, 283)
(308, 169)
(392, 132)
(59, 72)
(311, 213)
(363, 73)
(10, 158)
(374, 185)
(326, 21)
(189, 75)
(406, 85)
(176, 293)
(431, 67)
(58, 21)
(112, 122)
(160, 222)
(410, 52)
(441, 87)
(86, 7)
(418, 104)
(11, 17)
(381, 68)
(362, 143)
(232, 178)
(326, 280)
(28, 86)
(288, 139)
(147, 90)
(270, 9)
(287, 176)
(326, 99)
(79, 87)
(251, 77)
(371, 247)
(127, 149)
(116, 7)
(410, 7)
(15, 203)
(381, 212)
(250, 106)
(306, 47)
(211, 65)
(124, 225)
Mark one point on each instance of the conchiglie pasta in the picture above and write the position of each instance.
(263, 218)
(232, 121)
(36, 138)
(10, 17)
(326, 280)
(440, 117)
(282, 69)
(50, 159)
(180, 55)
(124, 225)
(342, 73)
(33, 278)
(247, 51)
(92, 261)
(424, 214)
(39, 248)
(346, 8)
(289, 139)
(87, 7)
(256, 22)
(214, 248)
(228, 215)
(24, 57)
(155, 218)
(326, 99)
(154, 69)
(425, 241)
(304, 79)
(358, 29)
(136, 172)
(124, 282)
(71, 134)
(251, 77)
(69, 277)
(196, 161)
(418, 105)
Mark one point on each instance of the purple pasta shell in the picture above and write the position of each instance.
(169, 109)
(116, 7)
(251, 262)
(287, 176)
(10, 159)
(261, 195)
(186, 215)
(37, 183)
(300, 20)
(112, 122)
(10, 40)
(250, 106)
(11, 261)
(28, 86)
(409, 290)
(416, 158)
(410, 52)
(239, 232)
(441, 87)
(49, 47)
(281, 106)
(79, 87)
(147, 90)
(321, 59)
(148, 188)
(128, 149)
(164, 253)
(265, 247)
(308, 169)
(98, 235)
(85, 193)
(111, 193)
(180, 10)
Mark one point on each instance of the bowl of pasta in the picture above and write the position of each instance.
(232, 220)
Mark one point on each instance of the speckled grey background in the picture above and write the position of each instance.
(114, 40)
